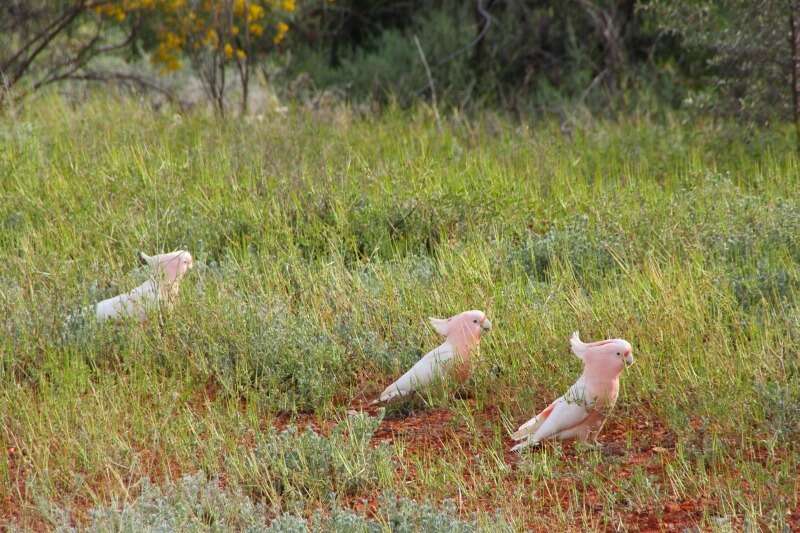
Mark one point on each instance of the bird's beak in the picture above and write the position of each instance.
(486, 325)
(628, 359)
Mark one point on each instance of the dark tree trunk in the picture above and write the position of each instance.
(794, 21)
(245, 89)
(609, 25)
(482, 21)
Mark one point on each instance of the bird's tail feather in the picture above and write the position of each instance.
(526, 429)
(530, 427)
(524, 444)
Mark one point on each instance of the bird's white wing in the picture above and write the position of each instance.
(564, 413)
(133, 303)
(529, 428)
(568, 411)
(422, 373)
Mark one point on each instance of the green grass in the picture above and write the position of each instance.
(322, 242)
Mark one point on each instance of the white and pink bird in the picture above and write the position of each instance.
(161, 289)
(462, 334)
(582, 411)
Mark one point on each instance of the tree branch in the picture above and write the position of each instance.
(430, 82)
(46, 37)
(487, 23)
(120, 77)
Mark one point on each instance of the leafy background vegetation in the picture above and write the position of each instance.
(732, 58)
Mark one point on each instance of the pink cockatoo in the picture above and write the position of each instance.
(583, 409)
(160, 289)
(462, 334)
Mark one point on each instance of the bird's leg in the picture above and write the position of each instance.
(597, 433)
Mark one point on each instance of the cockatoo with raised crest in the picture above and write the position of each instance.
(462, 334)
(161, 288)
(582, 411)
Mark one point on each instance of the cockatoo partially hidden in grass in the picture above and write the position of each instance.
(583, 409)
(160, 289)
(462, 335)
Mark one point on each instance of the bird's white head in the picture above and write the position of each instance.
(606, 358)
(171, 266)
(464, 329)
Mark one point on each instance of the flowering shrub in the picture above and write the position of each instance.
(235, 29)
(212, 34)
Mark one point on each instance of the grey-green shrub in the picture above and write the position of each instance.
(291, 467)
(586, 247)
(193, 503)
(398, 515)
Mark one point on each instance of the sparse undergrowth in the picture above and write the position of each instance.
(322, 242)
(195, 503)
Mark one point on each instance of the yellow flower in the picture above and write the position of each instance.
(238, 7)
(282, 28)
(234, 30)
(228, 50)
(256, 29)
(171, 41)
(241, 54)
(288, 5)
(256, 12)
(168, 61)
(112, 11)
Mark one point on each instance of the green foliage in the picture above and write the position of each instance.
(407, 516)
(289, 523)
(588, 252)
(259, 346)
(289, 467)
(745, 47)
(519, 55)
(193, 503)
(781, 404)
(322, 243)
(397, 515)
(391, 66)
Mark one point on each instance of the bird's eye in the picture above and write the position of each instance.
(475, 321)
(618, 354)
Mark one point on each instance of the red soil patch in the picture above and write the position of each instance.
(676, 517)
(16, 492)
(16, 471)
(427, 433)
(427, 429)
